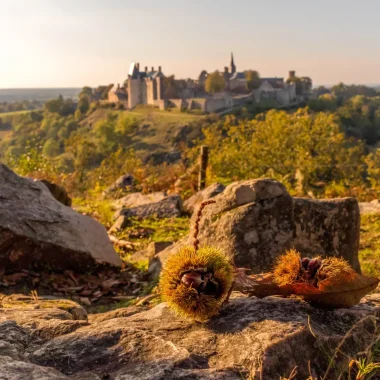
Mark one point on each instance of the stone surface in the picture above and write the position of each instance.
(137, 199)
(255, 221)
(370, 207)
(201, 196)
(122, 182)
(150, 251)
(250, 338)
(58, 192)
(170, 206)
(37, 231)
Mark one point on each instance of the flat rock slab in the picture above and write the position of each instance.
(137, 199)
(168, 207)
(250, 338)
(36, 231)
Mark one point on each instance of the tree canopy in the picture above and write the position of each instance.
(215, 82)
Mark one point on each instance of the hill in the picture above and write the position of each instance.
(43, 94)
(152, 131)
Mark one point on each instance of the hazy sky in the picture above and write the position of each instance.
(65, 43)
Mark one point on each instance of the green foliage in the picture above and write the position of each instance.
(60, 106)
(253, 79)
(369, 251)
(33, 162)
(215, 82)
(51, 148)
(280, 144)
(158, 230)
(170, 87)
(99, 209)
(344, 91)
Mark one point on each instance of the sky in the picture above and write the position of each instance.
(73, 43)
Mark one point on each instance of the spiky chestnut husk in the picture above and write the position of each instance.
(334, 271)
(291, 269)
(195, 284)
(288, 268)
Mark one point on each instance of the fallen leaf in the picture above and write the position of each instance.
(344, 295)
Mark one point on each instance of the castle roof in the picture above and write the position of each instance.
(274, 82)
(240, 76)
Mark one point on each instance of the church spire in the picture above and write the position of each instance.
(232, 65)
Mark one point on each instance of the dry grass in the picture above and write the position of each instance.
(369, 253)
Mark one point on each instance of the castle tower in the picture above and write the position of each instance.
(232, 64)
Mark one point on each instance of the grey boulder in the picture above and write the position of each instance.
(201, 196)
(37, 231)
(255, 221)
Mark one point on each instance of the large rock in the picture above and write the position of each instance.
(256, 221)
(168, 207)
(251, 338)
(37, 231)
(203, 195)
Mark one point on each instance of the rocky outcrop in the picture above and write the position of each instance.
(255, 221)
(168, 207)
(36, 231)
(203, 195)
(250, 338)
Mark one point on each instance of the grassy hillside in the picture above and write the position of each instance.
(154, 131)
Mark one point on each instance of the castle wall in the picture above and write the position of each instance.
(112, 97)
(134, 92)
(150, 91)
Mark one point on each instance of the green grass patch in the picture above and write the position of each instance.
(369, 252)
(154, 229)
(99, 209)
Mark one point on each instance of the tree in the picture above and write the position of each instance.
(280, 144)
(253, 79)
(51, 148)
(215, 83)
(170, 87)
(86, 92)
(83, 105)
(298, 82)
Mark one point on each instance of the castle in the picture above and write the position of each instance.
(152, 87)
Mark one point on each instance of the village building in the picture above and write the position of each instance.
(152, 87)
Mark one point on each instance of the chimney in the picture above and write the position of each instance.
(292, 74)
(159, 69)
(118, 86)
(152, 68)
(226, 70)
(146, 69)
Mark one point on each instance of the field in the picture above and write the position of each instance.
(6, 114)
(43, 94)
